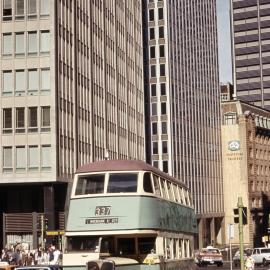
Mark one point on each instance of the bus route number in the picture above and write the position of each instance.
(102, 210)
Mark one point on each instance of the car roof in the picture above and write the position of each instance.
(39, 267)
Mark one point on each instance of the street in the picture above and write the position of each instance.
(226, 266)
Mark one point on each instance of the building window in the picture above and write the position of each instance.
(164, 147)
(160, 14)
(45, 119)
(32, 80)
(152, 33)
(20, 158)
(151, 15)
(163, 89)
(19, 82)
(7, 10)
(32, 119)
(45, 41)
(45, 157)
(155, 148)
(7, 83)
(32, 9)
(45, 80)
(7, 120)
(19, 44)
(154, 109)
(19, 9)
(154, 128)
(161, 32)
(20, 120)
(153, 52)
(7, 44)
(162, 69)
(155, 163)
(163, 108)
(165, 166)
(153, 90)
(161, 51)
(164, 127)
(7, 159)
(153, 71)
(32, 42)
(230, 118)
(33, 158)
(44, 7)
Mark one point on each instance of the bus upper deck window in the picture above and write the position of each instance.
(90, 184)
(122, 182)
(147, 183)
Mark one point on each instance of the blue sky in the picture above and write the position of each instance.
(224, 43)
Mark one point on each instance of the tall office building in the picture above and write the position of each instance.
(251, 50)
(183, 103)
(71, 93)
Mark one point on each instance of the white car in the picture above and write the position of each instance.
(261, 255)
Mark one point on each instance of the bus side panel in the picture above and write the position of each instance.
(128, 213)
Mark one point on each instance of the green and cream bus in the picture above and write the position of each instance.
(126, 214)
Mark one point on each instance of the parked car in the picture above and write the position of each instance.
(261, 256)
(208, 256)
(236, 257)
(40, 267)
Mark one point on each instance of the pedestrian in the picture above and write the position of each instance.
(249, 262)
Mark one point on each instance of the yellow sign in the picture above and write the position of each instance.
(55, 233)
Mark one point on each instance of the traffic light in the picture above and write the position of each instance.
(236, 215)
(46, 224)
(244, 215)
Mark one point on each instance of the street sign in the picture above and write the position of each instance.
(230, 230)
(52, 233)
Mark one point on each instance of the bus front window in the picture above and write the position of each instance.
(90, 184)
(122, 182)
(82, 243)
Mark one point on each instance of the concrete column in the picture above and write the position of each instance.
(200, 233)
(213, 232)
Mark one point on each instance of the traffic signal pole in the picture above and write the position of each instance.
(241, 242)
(42, 231)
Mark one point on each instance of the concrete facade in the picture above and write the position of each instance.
(245, 153)
(251, 50)
(183, 103)
(72, 93)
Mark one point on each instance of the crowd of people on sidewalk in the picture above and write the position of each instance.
(17, 255)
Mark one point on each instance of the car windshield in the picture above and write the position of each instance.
(213, 251)
(265, 250)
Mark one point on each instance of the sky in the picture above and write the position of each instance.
(224, 43)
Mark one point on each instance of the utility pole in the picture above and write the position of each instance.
(240, 212)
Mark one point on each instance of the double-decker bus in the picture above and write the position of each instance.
(126, 214)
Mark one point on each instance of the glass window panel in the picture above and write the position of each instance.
(147, 182)
(154, 108)
(7, 44)
(45, 114)
(45, 41)
(32, 117)
(19, 43)
(20, 157)
(32, 42)
(7, 157)
(122, 183)
(156, 185)
(19, 5)
(45, 79)
(33, 80)
(46, 156)
(20, 120)
(7, 82)
(155, 148)
(7, 120)
(44, 7)
(33, 158)
(163, 189)
(164, 147)
(7, 10)
(20, 81)
(90, 184)
(32, 7)
(164, 127)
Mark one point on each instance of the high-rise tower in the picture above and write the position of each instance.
(183, 102)
(71, 93)
(251, 50)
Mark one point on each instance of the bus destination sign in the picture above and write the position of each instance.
(101, 220)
